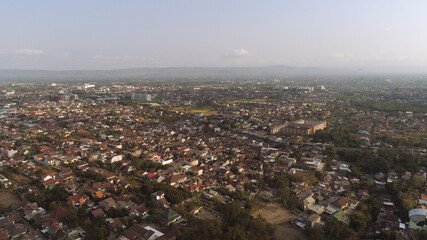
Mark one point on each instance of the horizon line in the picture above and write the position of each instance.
(214, 67)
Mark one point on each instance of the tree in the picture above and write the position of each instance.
(406, 202)
(355, 170)
(45, 197)
(330, 151)
(338, 230)
(53, 205)
(417, 182)
(359, 221)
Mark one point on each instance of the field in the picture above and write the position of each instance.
(9, 199)
(206, 214)
(405, 138)
(245, 101)
(21, 179)
(207, 111)
(43, 169)
(277, 215)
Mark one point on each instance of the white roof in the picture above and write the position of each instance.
(157, 232)
(418, 215)
(417, 211)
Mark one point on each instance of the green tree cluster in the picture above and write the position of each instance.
(172, 194)
(237, 223)
(334, 230)
(45, 197)
(340, 135)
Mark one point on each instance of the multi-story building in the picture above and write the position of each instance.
(304, 127)
(141, 96)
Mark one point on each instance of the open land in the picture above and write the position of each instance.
(277, 215)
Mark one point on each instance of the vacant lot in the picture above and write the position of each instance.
(207, 214)
(21, 179)
(245, 101)
(207, 111)
(277, 215)
(9, 199)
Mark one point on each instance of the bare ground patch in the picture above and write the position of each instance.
(207, 214)
(9, 199)
(277, 215)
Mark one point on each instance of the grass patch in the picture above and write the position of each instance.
(416, 139)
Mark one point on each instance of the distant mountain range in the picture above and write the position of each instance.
(195, 73)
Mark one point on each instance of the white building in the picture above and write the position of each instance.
(141, 96)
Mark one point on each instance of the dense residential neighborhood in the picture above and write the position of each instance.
(213, 160)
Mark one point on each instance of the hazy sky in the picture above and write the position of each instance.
(89, 34)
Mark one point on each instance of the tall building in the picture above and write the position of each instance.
(141, 96)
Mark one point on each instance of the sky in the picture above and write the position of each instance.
(112, 34)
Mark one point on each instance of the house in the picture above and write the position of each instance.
(78, 200)
(195, 170)
(176, 179)
(42, 219)
(8, 153)
(406, 176)
(66, 175)
(31, 209)
(95, 193)
(140, 210)
(60, 213)
(423, 199)
(388, 206)
(98, 213)
(17, 231)
(108, 203)
(4, 235)
(230, 188)
(313, 219)
(76, 234)
(67, 159)
(341, 203)
(387, 222)
(311, 163)
(157, 195)
(168, 217)
(418, 219)
(115, 223)
(363, 194)
(193, 188)
(115, 158)
(51, 179)
(159, 198)
(305, 199)
(340, 215)
(331, 210)
(379, 176)
(308, 201)
(4, 181)
(109, 176)
(191, 162)
(138, 231)
(316, 209)
(44, 160)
